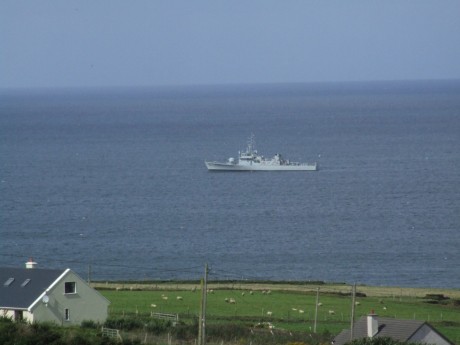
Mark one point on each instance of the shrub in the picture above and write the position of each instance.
(227, 331)
(44, 334)
(185, 332)
(126, 324)
(436, 297)
(89, 324)
(378, 341)
(158, 326)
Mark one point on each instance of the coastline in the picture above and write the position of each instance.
(300, 287)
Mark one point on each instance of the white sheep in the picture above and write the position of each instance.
(269, 313)
(179, 298)
(331, 312)
(301, 311)
(232, 301)
(153, 305)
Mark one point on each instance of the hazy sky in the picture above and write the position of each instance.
(46, 43)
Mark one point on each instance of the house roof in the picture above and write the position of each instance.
(20, 287)
(400, 330)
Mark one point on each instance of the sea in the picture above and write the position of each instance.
(111, 182)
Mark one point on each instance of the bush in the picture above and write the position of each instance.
(89, 324)
(378, 341)
(157, 327)
(436, 297)
(126, 324)
(185, 332)
(227, 331)
(44, 334)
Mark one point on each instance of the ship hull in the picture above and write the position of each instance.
(216, 166)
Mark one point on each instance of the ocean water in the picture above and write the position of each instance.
(115, 180)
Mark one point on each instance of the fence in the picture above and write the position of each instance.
(174, 318)
(111, 333)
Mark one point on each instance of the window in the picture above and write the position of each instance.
(18, 315)
(67, 314)
(8, 282)
(70, 287)
(25, 282)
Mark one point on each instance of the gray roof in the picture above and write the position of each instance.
(18, 295)
(400, 330)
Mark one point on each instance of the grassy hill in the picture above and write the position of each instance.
(288, 306)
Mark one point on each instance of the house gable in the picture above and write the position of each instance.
(428, 335)
(70, 301)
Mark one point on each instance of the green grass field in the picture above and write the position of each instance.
(289, 309)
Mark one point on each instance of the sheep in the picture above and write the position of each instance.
(357, 303)
(320, 304)
(384, 308)
(294, 309)
(331, 312)
(232, 301)
(179, 298)
(242, 294)
(251, 292)
(301, 311)
(164, 298)
(269, 313)
(153, 305)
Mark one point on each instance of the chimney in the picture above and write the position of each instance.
(31, 264)
(372, 324)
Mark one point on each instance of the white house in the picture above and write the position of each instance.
(371, 326)
(59, 296)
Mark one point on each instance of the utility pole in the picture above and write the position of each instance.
(204, 302)
(89, 274)
(204, 292)
(353, 297)
(200, 318)
(316, 310)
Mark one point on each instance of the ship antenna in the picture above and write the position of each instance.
(251, 143)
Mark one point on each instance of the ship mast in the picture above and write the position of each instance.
(251, 143)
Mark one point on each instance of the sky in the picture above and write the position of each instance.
(99, 43)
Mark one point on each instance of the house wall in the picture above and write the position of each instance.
(426, 335)
(85, 304)
(10, 313)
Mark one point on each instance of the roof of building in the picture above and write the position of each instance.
(400, 330)
(20, 287)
